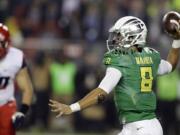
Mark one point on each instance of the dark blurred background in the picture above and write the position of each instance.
(64, 42)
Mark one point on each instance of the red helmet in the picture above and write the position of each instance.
(4, 40)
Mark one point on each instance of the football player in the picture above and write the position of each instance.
(131, 70)
(12, 68)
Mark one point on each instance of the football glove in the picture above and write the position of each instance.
(18, 119)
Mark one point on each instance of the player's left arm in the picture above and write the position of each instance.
(97, 95)
(25, 85)
(92, 98)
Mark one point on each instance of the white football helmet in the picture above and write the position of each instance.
(126, 32)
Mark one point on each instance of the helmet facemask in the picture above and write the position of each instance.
(115, 40)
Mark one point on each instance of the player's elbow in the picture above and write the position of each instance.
(173, 65)
(102, 95)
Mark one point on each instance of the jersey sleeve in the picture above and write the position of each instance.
(118, 61)
(109, 60)
(110, 80)
(18, 55)
(113, 60)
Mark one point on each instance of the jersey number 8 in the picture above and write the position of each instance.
(146, 79)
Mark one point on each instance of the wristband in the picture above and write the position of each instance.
(24, 108)
(75, 107)
(176, 44)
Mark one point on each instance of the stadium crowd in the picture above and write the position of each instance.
(64, 41)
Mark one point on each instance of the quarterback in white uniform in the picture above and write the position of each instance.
(12, 69)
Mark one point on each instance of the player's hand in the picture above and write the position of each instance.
(175, 27)
(59, 108)
(171, 24)
(18, 120)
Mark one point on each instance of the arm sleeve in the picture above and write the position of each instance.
(110, 80)
(164, 67)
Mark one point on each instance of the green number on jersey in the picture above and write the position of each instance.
(147, 78)
(108, 61)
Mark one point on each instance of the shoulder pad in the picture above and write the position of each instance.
(119, 60)
(108, 56)
(111, 58)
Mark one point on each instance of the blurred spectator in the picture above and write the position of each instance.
(14, 29)
(62, 73)
(92, 22)
(3, 10)
(50, 26)
(40, 77)
(33, 19)
(68, 20)
(167, 102)
(111, 11)
(137, 8)
(87, 78)
(70, 6)
(50, 22)
(175, 5)
(156, 10)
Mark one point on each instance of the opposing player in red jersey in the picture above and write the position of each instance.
(12, 68)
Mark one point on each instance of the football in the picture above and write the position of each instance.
(171, 24)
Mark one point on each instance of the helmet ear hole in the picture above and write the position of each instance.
(131, 37)
(113, 41)
(118, 34)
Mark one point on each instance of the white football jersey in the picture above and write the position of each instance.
(9, 67)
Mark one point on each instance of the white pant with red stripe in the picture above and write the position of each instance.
(144, 127)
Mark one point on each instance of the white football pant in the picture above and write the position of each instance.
(143, 127)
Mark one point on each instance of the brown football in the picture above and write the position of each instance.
(171, 24)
